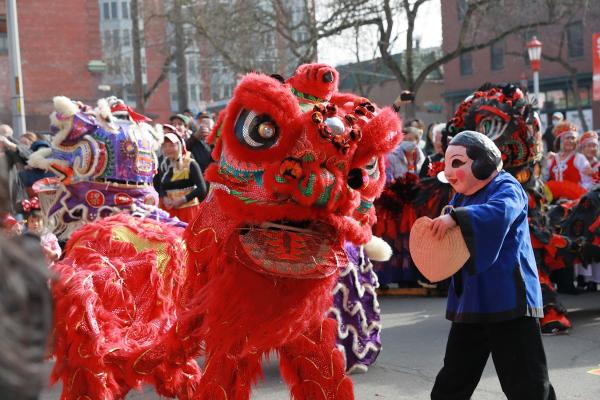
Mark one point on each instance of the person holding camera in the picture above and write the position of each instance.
(197, 144)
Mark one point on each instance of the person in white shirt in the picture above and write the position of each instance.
(567, 167)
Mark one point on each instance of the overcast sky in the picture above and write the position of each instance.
(340, 49)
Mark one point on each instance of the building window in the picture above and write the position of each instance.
(300, 37)
(229, 90)
(130, 96)
(466, 64)
(107, 39)
(105, 10)
(125, 9)
(3, 43)
(116, 38)
(214, 93)
(497, 56)
(126, 37)
(194, 93)
(128, 66)
(461, 9)
(117, 66)
(584, 97)
(3, 35)
(113, 10)
(575, 39)
(555, 99)
(191, 65)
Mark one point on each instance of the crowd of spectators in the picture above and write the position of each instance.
(183, 157)
(570, 167)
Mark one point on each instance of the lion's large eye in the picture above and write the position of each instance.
(492, 126)
(371, 166)
(256, 131)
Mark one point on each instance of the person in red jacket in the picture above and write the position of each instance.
(567, 168)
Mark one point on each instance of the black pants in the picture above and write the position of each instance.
(518, 355)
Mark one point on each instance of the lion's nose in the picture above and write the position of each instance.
(358, 178)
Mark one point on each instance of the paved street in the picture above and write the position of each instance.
(414, 338)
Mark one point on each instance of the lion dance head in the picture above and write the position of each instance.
(298, 168)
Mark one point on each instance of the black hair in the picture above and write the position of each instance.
(429, 142)
(278, 77)
(35, 213)
(25, 310)
(485, 154)
(486, 86)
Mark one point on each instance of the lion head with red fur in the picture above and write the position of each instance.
(298, 166)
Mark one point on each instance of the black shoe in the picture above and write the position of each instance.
(570, 290)
(591, 287)
(554, 328)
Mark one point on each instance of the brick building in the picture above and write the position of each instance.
(115, 24)
(507, 61)
(57, 44)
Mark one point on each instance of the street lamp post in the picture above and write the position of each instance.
(534, 48)
(16, 81)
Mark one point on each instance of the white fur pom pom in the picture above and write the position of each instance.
(64, 105)
(39, 159)
(378, 250)
(104, 109)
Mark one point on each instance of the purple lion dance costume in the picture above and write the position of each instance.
(105, 165)
(355, 306)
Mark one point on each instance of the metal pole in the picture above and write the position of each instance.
(16, 80)
(536, 86)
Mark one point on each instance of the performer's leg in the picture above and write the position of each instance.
(228, 378)
(467, 351)
(314, 368)
(520, 361)
(555, 314)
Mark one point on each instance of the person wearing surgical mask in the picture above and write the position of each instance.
(396, 214)
(407, 157)
(549, 143)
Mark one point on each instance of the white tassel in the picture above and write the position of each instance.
(377, 249)
(39, 159)
(64, 105)
(104, 109)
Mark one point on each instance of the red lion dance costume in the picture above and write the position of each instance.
(298, 168)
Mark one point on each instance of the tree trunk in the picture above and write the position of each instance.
(410, 112)
(136, 44)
